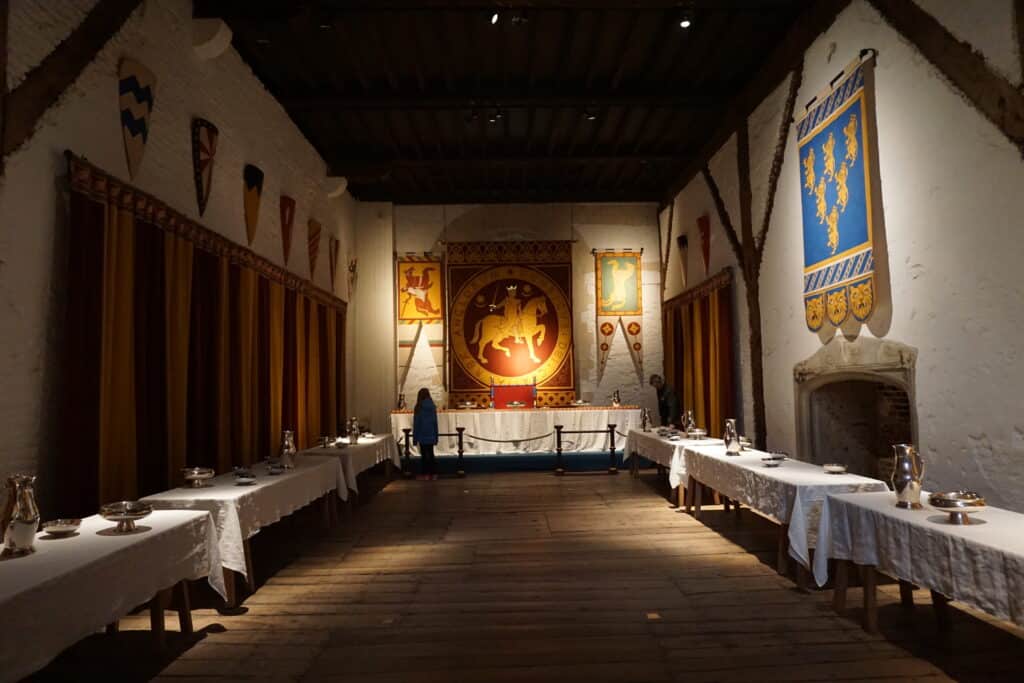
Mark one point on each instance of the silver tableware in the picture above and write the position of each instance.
(197, 476)
(696, 433)
(907, 476)
(288, 450)
(21, 516)
(689, 424)
(61, 528)
(732, 438)
(125, 513)
(959, 505)
(834, 468)
(745, 444)
(774, 459)
(645, 420)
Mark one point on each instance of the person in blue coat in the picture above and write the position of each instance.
(424, 431)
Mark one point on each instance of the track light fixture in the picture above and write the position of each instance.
(590, 115)
(495, 17)
(686, 21)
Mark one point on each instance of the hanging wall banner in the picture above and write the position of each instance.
(835, 139)
(287, 222)
(204, 148)
(252, 181)
(620, 304)
(419, 286)
(136, 90)
(332, 258)
(314, 245)
(704, 228)
(510, 320)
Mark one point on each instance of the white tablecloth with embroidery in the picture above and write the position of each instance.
(980, 564)
(357, 458)
(517, 430)
(668, 453)
(72, 587)
(239, 512)
(790, 494)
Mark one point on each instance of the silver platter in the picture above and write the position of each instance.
(125, 513)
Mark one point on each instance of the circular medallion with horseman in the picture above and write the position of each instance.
(511, 323)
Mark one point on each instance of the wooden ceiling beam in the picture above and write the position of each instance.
(552, 97)
(247, 9)
(530, 194)
(365, 168)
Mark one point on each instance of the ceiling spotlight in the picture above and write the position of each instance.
(589, 115)
(495, 116)
(685, 22)
(325, 26)
(494, 18)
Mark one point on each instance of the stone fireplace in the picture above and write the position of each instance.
(854, 399)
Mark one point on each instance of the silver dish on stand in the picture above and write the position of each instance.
(125, 513)
(514, 404)
(959, 505)
(197, 476)
(697, 433)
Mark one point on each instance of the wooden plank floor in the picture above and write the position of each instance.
(529, 577)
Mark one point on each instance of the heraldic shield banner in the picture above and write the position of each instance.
(620, 304)
(510, 320)
(419, 283)
(835, 139)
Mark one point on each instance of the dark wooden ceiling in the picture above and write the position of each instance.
(431, 102)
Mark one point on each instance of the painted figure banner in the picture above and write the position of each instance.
(510, 320)
(835, 139)
(619, 293)
(419, 282)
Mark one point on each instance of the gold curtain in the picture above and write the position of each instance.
(301, 428)
(715, 388)
(275, 384)
(331, 375)
(312, 373)
(117, 433)
(222, 367)
(243, 364)
(178, 305)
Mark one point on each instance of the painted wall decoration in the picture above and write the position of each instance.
(252, 181)
(204, 149)
(835, 139)
(314, 245)
(136, 90)
(287, 223)
(332, 258)
(510, 319)
(619, 305)
(419, 281)
(704, 228)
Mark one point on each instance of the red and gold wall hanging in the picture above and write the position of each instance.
(287, 221)
(419, 280)
(252, 182)
(204, 149)
(510, 320)
(620, 304)
(314, 244)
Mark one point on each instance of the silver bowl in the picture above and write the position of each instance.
(834, 468)
(197, 476)
(125, 513)
(514, 404)
(773, 460)
(61, 528)
(959, 504)
(696, 433)
(745, 444)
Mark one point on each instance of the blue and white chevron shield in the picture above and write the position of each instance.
(136, 87)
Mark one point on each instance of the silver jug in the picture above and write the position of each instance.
(20, 529)
(288, 450)
(688, 423)
(732, 438)
(353, 430)
(645, 420)
(908, 472)
(616, 401)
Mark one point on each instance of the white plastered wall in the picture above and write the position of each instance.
(952, 205)
(254, 128)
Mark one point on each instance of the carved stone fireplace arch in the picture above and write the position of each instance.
(865, 359)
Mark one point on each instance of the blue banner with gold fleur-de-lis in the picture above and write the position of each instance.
(836, 199)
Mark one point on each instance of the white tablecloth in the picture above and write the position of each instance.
(72, 587)
(791, 494)
(980, 564)
(239, 512)
(521, 427)
(366, 453)
(664, 451)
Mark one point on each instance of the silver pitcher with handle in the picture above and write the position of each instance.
(907, 475)
(688, 422)
(732, 438)
(645, 420)
(288, 449)
(21, 519)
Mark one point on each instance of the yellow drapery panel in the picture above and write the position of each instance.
(117, 432)
(178, 301)
(669, 345)
(687, 324)
(313, 373)
(698, 342)
(331, 375)
(243, 415)
(223, 365)
(301, 428)
(275, 384)
(715, 418)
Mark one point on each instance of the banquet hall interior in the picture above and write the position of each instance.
(508, 340)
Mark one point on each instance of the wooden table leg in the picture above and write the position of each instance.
(782, 553)
(157, 606)
(680, 497)
(184, 609)
(113, 628)
(942, 612)
(906, 594)
(230, 589)
(250, 573)
(802, 577)
(691, 488)
(725, 503)
(698, 495)
(841, 582)
(325, 511)
(870, 599)
(634, 465)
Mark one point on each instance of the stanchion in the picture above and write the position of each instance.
(459, 471)
(559, 469)
(612, 466)
(406, 463)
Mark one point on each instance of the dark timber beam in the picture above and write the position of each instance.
(5, 8)
(25, 105)
(818, 16)
(372, 193)
(378, 168)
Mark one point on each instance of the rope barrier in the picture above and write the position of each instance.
(512, 441)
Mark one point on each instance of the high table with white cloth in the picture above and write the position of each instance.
(980, 564)
(665, 451)
(356, 458)
(70, 588)
(790, 494)
(239, 512)
(523, 430)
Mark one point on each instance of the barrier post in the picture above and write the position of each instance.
(612, 466)
(406, 464)
(559, 469)
(459, 471)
